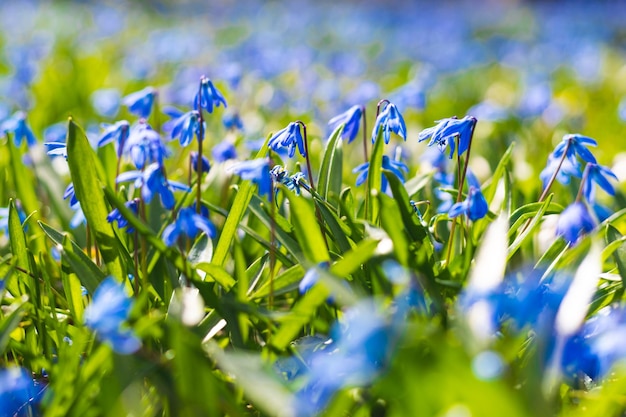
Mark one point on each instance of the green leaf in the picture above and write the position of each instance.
(489, 191)
(287, 281)
(23, 182)
(330, 176)
(217, 273)
(534, 223)
(619, 255)
(307, 229)
(88, 179)
(9, 322)
(522, 214)
(374, 178)
(407, 213)
(338, 229)
(18, 245)
(353, 260)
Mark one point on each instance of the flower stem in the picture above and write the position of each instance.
(272, 242)
(544, 194)
(200, 134)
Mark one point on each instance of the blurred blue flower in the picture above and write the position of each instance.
(55, 133)
(351, 119)
(106, 102)
(144, 145)
(118, 132)
(311, 277)
(389, 120)
(56, 149)
(288, 137)
(232, 121)
(107, 313)
(397, 167)
(153, 181)
(140, 102)
(575, 145)
(16, 124)
(18, 392)
(208, 96)
(600, 175)
(194, 162)
(448, 131)
(567, 169)
(69, 193)
(257, 171)
(78, 218)
(475, 206)
(122, 222)
(188, 223)
(224, 151)
(184, 127)
(574, 222)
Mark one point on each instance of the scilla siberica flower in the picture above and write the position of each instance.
(475, 206)
(389, 120)
(117, 132)
(152, 181)
(183, 126)
(567, 151)
(106, 315)
(206, 166)
(351, 119)
(224, 151)
(208, 96)
(188, 223)
(397, 167)
(144, 145)
(18, 392)
(257, 171)
(600, 175)
(448, 131)
(288, 137)
(140, 102)
(116, 216)
(574, 222)
(281, 175)
(16, 124)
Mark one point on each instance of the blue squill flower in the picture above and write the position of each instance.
(576, 145)
(208, 96)
(144, 145)
(153, 181)
(600, 175)
(79, 216)
(351, 119)
(106, 102)
(574, 222)
(288, 137)
(117, 132)
(311, 277)
(188, 223)
(18, 392)
(16, 124)
(389, 120)
(57, 149)
(397, 167)
(475, 206)
(232, 121)
(194, 162)
(69, 193)
(224, 151)
(140, 102)
(448, 131)
(184, 127)
(567, 169)
(122, 222)
(107, 313)
(257, 171)
(55, 132)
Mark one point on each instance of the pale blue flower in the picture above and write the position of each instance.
(389, 120)
(208, 96)
(574, 222)
(188, 223)
(288, 137)
(351, 119)
(140, 102)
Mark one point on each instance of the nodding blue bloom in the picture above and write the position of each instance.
(16, 124)
(232, 121)
(194, 162)
(397, 167)
(281, 175)
(144, 145)
(389, 120)
(475, 206)
(140, 102)
(288, 137)
(576, 145)
(597, 174)
(107, 313)
(574, 222)
(257, 171)
(106, 102)
(351, 119)
(57, 149)
(448, 131)
(185, 126)
(69, 193)
(118, 132)
(188, 223)
(153, 181)
(18, 392)
(568, 168)
(122, 222)
(224, 151)
(208, 96)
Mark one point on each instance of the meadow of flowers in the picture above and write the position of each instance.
(312, 208)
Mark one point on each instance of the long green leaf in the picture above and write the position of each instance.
(18, 244)
(307, 229)
(374, 178)
(330, 176)
(88, 180)
(534, 223)
(619, 256)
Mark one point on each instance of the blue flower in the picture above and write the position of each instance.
(116, 216)
(140, 103)
(184, 127)
(55, 133)
(397, 167)
(257, 171)
(16, 124)
(18, 392)
(288, 137)
(153, 181)
(194, 162)
(568, 168)
(107, 313)
(574, 222)
(448, 131)
(57, 149)
(188, 223)
(224, 151)
(312, 276)
(208, 96)
(475, 206)
(78, 218)
(597, 174)
(117, 132)
(389, 120)
(69, 193)
(144, 145)
(351, 119)
(575, 144)
(232, 121)
(106, 102)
